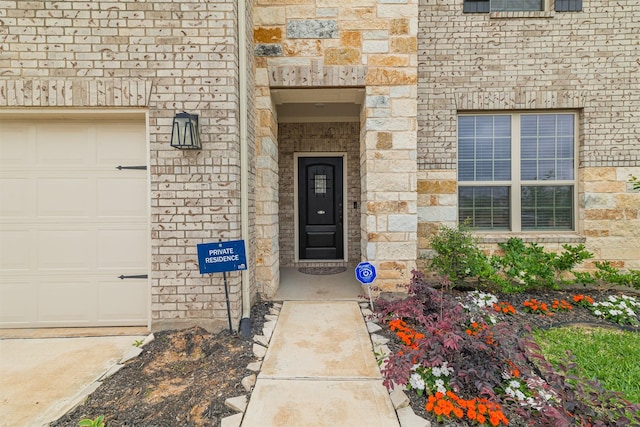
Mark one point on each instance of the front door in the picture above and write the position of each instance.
(320, 208)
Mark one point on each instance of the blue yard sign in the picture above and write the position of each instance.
(365, 273)
(222, 256)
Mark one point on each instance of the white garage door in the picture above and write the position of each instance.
(71, 223)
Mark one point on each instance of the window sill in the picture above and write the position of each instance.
(522, 14)
(530, 238)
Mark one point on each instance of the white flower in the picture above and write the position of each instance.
(514, 384)
(436, 371)
(416, 382)
(546, 396)
(621, 304)
(510, 391)
(482, 299)
(506, 375)
(612, 298)
(615, 312)
(440, 386)
(446, 370)
(597, 313)
(520, 395)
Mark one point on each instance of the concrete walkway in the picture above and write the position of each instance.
(319, 370)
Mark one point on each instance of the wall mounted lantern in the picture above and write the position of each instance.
(184, 134)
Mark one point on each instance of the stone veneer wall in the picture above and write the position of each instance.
(318, 137)
(165, 57)
(266, 193)
(581, 61)
(360, 43)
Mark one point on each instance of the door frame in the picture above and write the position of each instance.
(345, 226)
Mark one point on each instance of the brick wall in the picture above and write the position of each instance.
(581, 61)
(167, 57)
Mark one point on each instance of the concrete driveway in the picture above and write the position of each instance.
(44, 373)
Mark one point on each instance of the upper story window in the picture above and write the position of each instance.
(486, 6)
(517, 172)
(516, 5)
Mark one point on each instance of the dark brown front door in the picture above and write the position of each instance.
(320, 207)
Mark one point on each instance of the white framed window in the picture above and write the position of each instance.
(517, 171)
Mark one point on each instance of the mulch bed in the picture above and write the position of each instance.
(182, 378)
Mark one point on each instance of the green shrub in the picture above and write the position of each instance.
(531, 267)
(522, 267)
(458, 256)
(609, 274)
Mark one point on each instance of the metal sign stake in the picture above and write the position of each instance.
(370, 299)
(226, 294)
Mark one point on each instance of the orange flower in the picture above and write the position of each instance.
(481, 419)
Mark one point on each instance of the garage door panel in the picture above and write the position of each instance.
(17, 148)
(71, 144)
(123, 249)
(16, 250)
(62, 301)
(113, 306)
(65, 197)
(122, 197)
(121, 146)
(65, 249)
(17, 297)
(15, 197)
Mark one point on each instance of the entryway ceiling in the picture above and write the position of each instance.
(318, 105)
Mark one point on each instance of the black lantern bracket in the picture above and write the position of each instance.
(185, 133)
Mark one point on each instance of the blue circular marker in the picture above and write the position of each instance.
(365, 273)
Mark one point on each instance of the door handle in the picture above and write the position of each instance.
(321, 212)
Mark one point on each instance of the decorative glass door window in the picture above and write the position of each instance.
(320, 184)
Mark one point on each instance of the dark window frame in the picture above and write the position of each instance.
(484, 6)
